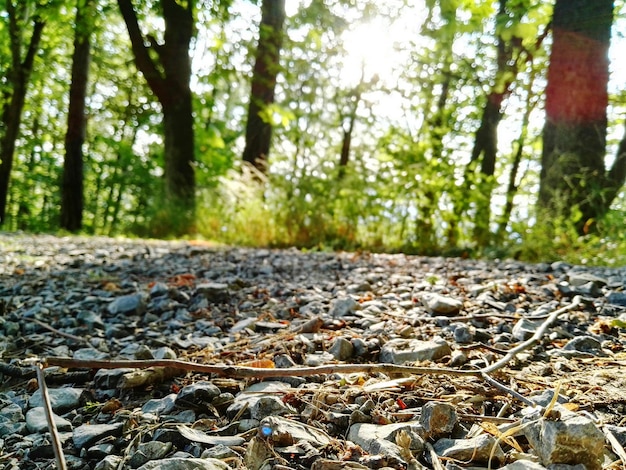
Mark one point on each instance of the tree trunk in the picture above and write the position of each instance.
(72, 198)
(171, 87)
(18, 77)
(266, 67)
(486, 141)
(573, 175)
(512, 186)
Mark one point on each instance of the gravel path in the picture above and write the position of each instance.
(108, 299)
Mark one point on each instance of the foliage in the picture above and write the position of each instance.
(413, 113)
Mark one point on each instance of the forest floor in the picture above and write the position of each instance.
(180, 355)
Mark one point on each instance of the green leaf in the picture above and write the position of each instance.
(616, 322)
(214, 138)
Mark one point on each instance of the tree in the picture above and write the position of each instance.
(18, 77)
(574, 182)
(166, 67)
(266, 67)
(72, 199)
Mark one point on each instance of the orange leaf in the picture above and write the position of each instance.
(259, 364)
(183, 280)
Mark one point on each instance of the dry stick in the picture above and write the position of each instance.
(55, 331)
(54, 435)
(576, 302)
(261, 373)
(484, 372)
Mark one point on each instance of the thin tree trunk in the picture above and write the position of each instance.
(486, 141)
(18, 76)
(266, 67)
(72, 198)
(346, 142)
(517, 160)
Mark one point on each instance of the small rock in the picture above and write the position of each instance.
(132, 304)
(523, 465)
(380, 439)
(525, 328)
(617, 298)
(570, 440)
(581, 346)
(285, 432)
(160, 406)
(181, 463)
(147, 451)
(87, 434)
(215, 292)
(110, 462)
(12, 420)
(438, 418)
(197, 395)
(577, 279)
(36, 421)
(475, 450)
(399, 350)
(341, 348)
(441, 304)
(61, 399)
(343, 306)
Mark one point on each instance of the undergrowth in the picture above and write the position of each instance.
(248, 210)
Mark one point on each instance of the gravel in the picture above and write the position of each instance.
(119, 299)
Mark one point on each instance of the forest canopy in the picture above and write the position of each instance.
(450, 126)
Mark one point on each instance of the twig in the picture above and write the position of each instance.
(576, 302)
(617, 447)
(55, 331)
(436, 463)
(490, 380)
(261, 373)
(54, 435)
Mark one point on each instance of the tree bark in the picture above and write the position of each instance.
(266, 67)
(169, 77)
(18, 76)
(486, 141)
(573, 175)
(72, 198)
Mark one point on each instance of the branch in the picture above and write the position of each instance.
(33, 46)
(47, 407)
(261, 373)
(510, 355)
(142, 57)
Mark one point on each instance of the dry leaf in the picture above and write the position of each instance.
(259, 364)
